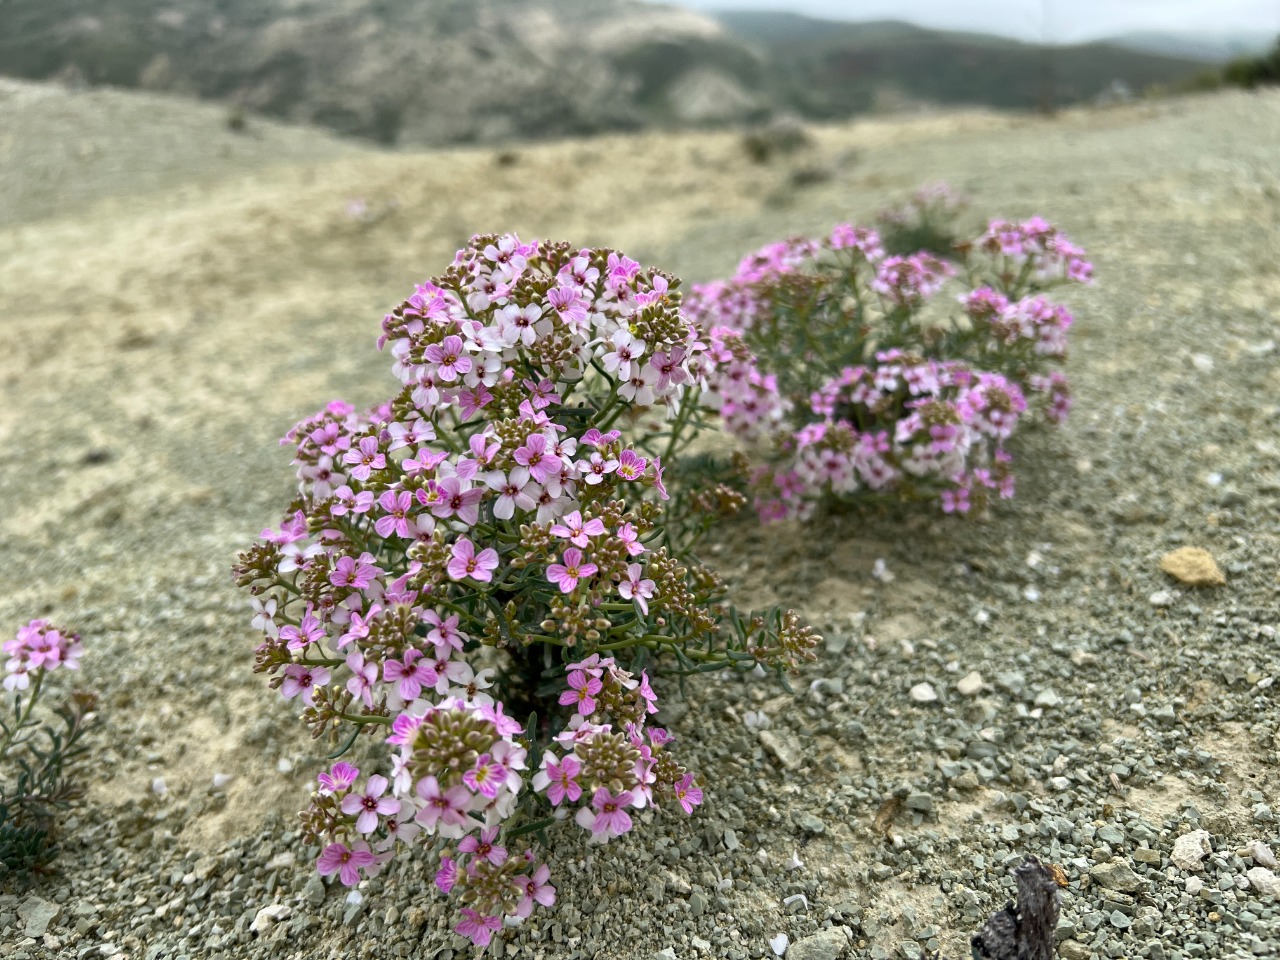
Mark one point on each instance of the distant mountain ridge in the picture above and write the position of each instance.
(1209, 48)
(450, 71)
(831, 69)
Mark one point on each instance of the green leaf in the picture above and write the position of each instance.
(534, 827)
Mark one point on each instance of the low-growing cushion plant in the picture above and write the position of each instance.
(484, 572)
(845, 377)
(37, 753)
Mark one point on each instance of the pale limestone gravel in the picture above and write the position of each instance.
(157, 345)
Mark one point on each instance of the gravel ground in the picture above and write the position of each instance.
(1030, 684)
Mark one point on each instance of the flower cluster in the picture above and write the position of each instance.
(39, 647)
(488, 536)
(829, 358)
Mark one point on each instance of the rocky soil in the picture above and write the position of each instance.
(1029, 684)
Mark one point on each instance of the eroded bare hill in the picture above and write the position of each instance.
(402, 71)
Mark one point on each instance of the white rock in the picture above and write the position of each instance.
(158, 787)
(924, 693)
(1261, 854)
(284, 765)
(1193, 885)
(881, 572)
(269, 916)
(220, 780)
(1264, 881)
(779, 944)
(970, 684)
(1031, 594)
(1190, 848)
(794, 863)
(1202, 362)
(1161, 598)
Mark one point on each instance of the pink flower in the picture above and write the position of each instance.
(358, 628)
(447, 875)
(339, 778)
(514, 490)
(395, 518)
(646, 693)
(444, 632)
(596, 468)
(541, 394)
(534, 455)
(346, 862)
(687, 795)
(630, 539)
(657, 479)
(955, 501)
(353, 573)
(456, 497)
(582, 689)
(364, 676)
(576, 530)
(309, 631)
(449, 359)
(486, 776)
(536, 889)
(557, 779)
(631, 466)
(573, 569)
(569, 305)
(670, 372)
(611, 818)
(370, 805)
(365, 459)
(443, 808)
(466, 563)
(413, 673)
(479, 930)
(483, 847)
(301, 679)
(633, 588)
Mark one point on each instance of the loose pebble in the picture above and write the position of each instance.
(1193, 566)
(1190, 849)
(924, 693)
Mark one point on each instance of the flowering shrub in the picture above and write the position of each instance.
(35, 758)
(829, 359)
(481, 572)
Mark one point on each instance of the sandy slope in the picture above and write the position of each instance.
(159, 338)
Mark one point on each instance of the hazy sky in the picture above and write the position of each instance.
(1067, 20)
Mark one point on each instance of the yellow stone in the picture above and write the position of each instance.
(1192, 566)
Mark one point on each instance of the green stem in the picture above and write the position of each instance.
(25, 715)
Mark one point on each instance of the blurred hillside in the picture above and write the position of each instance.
(401, 71)
(458, 71)
(832, 70)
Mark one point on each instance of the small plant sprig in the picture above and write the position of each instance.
(926, 222)
(483, 571)
(36, 758)
(831, 363)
